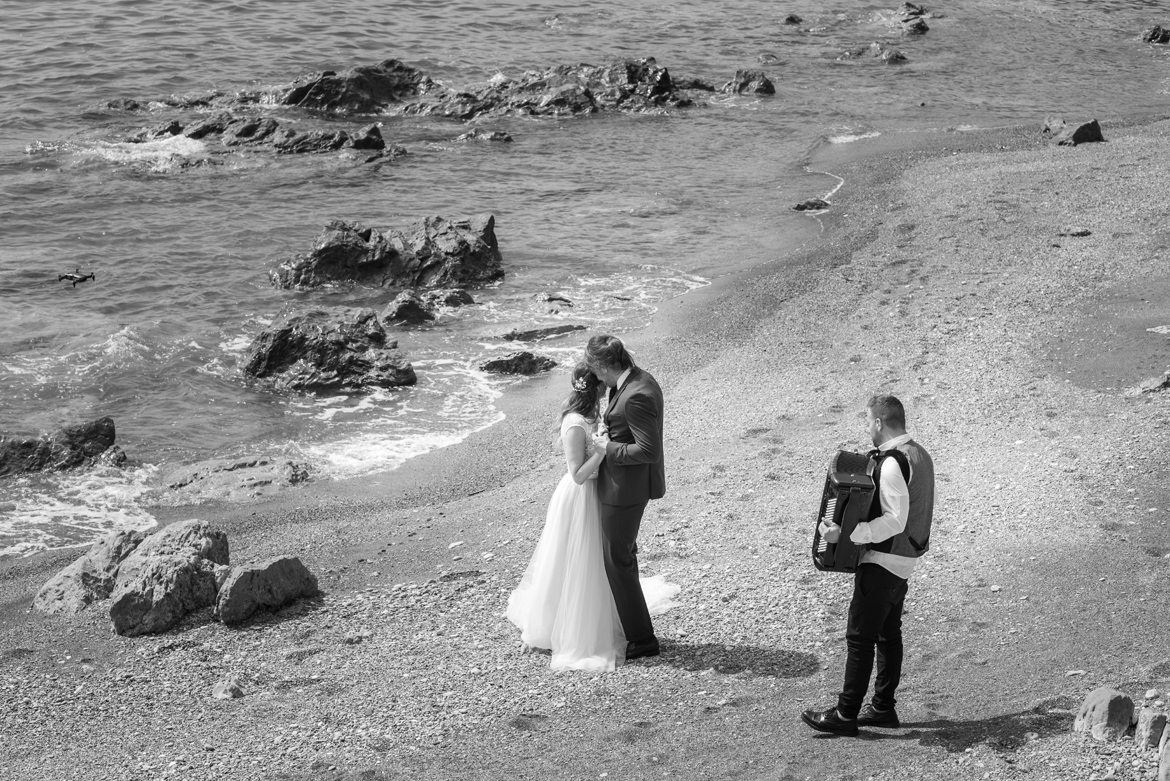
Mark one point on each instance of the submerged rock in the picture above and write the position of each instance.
(329, 350)
(877, 51)
(91, 577)
(64, 449)
(539, 334)
(518, 363)
(434, 252)
(233, 479)
(484, 135)
(449, 298)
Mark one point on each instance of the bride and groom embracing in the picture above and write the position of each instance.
(581, 596)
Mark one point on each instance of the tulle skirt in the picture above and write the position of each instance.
(563, 602)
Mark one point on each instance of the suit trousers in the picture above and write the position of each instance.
(875, 628)
(619, 528)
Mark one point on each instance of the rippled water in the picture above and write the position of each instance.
(617, 212)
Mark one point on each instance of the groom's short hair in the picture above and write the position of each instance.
(889, 410)
(608, 351)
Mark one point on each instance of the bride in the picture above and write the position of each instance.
(563, 602)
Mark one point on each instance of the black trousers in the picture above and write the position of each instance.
(875, 628)
(619, 528)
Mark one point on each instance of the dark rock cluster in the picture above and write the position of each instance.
(67, 448)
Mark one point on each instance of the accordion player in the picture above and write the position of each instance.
(845, 502)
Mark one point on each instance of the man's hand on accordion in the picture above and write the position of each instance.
(830, 532)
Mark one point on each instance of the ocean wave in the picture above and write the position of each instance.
(159, 156)
(849, 138)
(52, 511)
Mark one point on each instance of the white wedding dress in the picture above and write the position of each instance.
(563, 602)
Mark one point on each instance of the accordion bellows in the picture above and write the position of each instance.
(845, 502)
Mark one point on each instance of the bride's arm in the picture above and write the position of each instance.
(580, 467)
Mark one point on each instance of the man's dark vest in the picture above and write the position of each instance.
(918, 470)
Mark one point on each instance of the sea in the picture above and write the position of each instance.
(616, 212)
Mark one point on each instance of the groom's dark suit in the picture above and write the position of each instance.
(630, 476)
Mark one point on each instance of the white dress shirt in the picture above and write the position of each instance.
(895, 502)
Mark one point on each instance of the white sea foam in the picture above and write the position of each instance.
(47, 512)
(158, 155)
(849, 138)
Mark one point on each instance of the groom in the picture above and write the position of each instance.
(630, 476)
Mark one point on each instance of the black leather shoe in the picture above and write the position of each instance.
(872, 717)
(829, 721)
(642, 648)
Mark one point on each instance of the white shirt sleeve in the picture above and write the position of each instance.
(895, 498)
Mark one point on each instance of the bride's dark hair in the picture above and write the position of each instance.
(585, 392)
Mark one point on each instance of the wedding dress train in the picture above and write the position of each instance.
(563, 602)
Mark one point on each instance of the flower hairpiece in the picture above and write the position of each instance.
(580, 385)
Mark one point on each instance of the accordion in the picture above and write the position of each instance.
(845, 502)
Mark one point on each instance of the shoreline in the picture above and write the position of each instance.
(764, 372)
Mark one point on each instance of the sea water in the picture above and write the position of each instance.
(616, 212)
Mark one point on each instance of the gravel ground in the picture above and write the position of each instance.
(941, 276)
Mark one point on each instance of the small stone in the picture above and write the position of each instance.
(1152, 694)
(454, 545)
(1150, 725)
(1071, 673)
(227, 690)
(995, 588)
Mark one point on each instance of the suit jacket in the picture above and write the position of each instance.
(633, 471)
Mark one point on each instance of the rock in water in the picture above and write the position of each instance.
(171, 573)
(329, 350)
(366, 89)
(408, 309)
(451, 297)
(435, 252)
(90, 578)
(1106, 714)
(65, 449)
(811, 205)
(519, 363)
(267, 586)
(1156, 34)
(751, 82)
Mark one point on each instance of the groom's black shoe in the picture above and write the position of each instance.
(642, 648)
(829, 721)
(872, 717)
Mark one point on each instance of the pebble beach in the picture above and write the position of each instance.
(948, 272)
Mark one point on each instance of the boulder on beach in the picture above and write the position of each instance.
(169, 574)
(66, 448)
(1151, 724)
(231, 479)
(750, 82)
(1065, 134)
(434, 252)
(328, 350)
(408, 308)
(518, 363)
(1106, 714)
(91, 577)
(266, 586)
